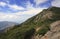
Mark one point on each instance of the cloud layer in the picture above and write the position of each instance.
(21, 10)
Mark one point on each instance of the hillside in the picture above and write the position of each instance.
(35, 27)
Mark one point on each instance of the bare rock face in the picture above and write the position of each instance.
(54, 33)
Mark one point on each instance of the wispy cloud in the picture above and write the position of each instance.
(20, 15)
(9, 17)
(15, 7)
(2, 3)
(39, 1)
(56, 3)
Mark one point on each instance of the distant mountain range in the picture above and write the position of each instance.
(6, 24)
(45, 25)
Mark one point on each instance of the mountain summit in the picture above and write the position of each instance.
(37, 27)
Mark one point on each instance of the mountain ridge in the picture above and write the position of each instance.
(35, 27)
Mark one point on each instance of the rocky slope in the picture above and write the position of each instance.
(44, 25)
(54, 32)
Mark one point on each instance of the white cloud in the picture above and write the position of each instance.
(56, 3)
(9, 17)
(39, 1)
(16, 7)
(29, 5)
(22, 15)
(31, 11)
(2, 3)
(19, 16)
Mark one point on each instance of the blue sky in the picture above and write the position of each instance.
(20, 10)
